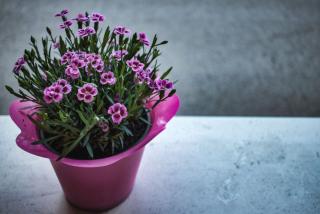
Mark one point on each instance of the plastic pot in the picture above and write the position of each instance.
(98, 184)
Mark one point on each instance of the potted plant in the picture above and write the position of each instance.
(90, 101)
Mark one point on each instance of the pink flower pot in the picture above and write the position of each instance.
(93, 184)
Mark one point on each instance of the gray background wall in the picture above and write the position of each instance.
(231, 57)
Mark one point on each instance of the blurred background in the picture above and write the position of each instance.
(231, 57)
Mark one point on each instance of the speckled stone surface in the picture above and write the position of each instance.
(231, 57)
(197, 165)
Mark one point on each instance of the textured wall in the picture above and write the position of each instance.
(231, 57)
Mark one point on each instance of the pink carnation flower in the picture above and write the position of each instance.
(81, 18)
(144, 39)
(120, 30)
(86, 32)
(87, 93)
(55, 92)
(135, 65)
(18, 65)
(73, 72)
(107, 78)
(103, 126)
(118, 112)
(97, 17)
(117, 55)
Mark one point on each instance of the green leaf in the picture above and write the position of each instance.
(32, 39)
(86, 140)
(46, 140)
(11, 91)
(161, 95)
(49, 31)
(109, 98)
(83, 134)
(64, 125)
(126, 130)
(162, 43)
(105, 39)
(121, 141)
(166, 73)
(43, 126)
(100, 104)
(145, 121)
(154, 41)
(89, 149)
(172, 92)
(82, 117)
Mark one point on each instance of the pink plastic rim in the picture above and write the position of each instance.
(18, 111)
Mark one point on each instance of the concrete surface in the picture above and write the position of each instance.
(231, 57)
(197, 165)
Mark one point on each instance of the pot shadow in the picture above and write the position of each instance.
(65, 207)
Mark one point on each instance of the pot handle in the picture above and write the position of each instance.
(165, 111)
(19, 112)
(162, 114)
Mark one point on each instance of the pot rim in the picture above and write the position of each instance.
(160, 116)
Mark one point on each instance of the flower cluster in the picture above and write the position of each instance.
(143, 76)
(118, 112)
(55, 92)
(107, 78)
(87, 93)
(77, 60)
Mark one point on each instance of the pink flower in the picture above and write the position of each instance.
(62, 13)
(53, 93)
(143, 76)
(116, 118)
(161, 84)
(56, 45)
(81, 18)
(104, 126)
(97, 17)
(96, 62)
(18, 65)
(117, 55)
(66, 58)
(107, 78)
(86, 32)
(118, 112)
(76, 62)
(120, 30)
(66, 87)
(73, 72)
(66, 24)
(144, 39)
(87, 93)
(135, 64)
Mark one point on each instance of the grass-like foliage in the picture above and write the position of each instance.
(91, 85)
